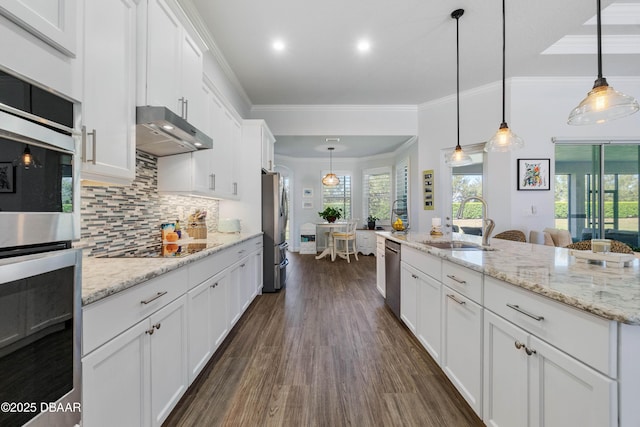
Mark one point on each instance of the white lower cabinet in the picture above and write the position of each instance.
(531, 383)
(143, 347)
(408, 294)
(139, 376)
(462, 345)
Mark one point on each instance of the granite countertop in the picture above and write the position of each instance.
(609, 292)
(102, 277)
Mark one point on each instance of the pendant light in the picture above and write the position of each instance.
(330, 179)
(458, 157)
(603, 103)
(504, 139)
(27, 160)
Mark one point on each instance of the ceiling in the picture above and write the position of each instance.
(412, 54)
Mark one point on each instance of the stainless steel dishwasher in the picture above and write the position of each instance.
(392, 275)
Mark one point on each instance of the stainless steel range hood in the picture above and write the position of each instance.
(162, 133)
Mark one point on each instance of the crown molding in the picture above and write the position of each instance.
(480, 90)
(192, 14)
(628, 44)
(336, 108)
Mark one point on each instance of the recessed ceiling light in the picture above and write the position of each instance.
(278, 45)
(364, 46)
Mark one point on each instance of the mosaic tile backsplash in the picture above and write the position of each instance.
(119, 218)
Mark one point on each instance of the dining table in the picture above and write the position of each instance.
(328, 228)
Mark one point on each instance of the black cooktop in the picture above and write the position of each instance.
(170, 250)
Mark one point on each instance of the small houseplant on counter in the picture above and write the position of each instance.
(330, 214)
(371, 222)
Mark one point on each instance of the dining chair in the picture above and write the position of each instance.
(345, 241)
(513, 235)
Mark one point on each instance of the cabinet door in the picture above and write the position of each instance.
(428, 316)
(267, 150)
(565, 392)
(222, 154)
(200, 327)
(257, 272)
(246, 283)
(462, 346)
(164, 42)
(52, 21)
(191, 83)
(115, 381)
(108, 109)
(236, 157)
(380, 272)
(219, 308)
(169, 365)
(233, 294)
(505, 373)
(408, 293)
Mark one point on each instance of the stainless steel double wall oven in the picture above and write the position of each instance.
(40, 274)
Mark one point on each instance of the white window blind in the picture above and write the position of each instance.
(376, 194)
(402, 186)
(338, 196)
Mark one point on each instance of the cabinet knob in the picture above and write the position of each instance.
(530, 351)
(214, 285)
(157, 325)
(149, 331)
(518, 344)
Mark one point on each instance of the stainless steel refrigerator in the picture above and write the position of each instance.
(274, 223)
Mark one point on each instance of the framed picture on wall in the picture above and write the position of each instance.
(533, 174)
(7, 177)
(307, 193)
(427, 185)
(307, 204)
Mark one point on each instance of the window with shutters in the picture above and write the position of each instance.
(376, 194)
(338, 196)
(402, 188)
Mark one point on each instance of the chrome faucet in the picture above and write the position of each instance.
(487, 223)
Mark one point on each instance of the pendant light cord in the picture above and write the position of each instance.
(599, 25)
(458, 79)
(504, 43)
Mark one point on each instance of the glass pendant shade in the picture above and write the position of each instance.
(504, 140)
(459, 158)
(330, 180)
(602, 104)
(27, 160)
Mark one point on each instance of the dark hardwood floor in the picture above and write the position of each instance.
(324, 352)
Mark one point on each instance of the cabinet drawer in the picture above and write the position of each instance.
(462, 279)
(584, 336)
(103, 320)
(427, 263)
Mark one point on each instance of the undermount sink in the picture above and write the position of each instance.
(458, 246)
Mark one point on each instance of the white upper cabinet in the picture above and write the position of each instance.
(53, 21)
(174, 65)
(108, 107)
(268, 147)
(207, 173)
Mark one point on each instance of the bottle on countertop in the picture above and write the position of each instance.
(178, 231)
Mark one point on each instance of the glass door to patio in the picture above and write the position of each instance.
(596, 191)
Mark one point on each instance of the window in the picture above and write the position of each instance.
(401, 203)
(338, 196)
(376, 194)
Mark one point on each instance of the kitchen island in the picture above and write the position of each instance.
(527, 335)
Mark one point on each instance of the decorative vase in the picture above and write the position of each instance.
(371, 225)
(331, 219)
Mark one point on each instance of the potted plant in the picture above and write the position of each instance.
(371, 222)
(330, 214)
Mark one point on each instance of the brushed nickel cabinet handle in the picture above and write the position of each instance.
(455, 279)
(235, 188)
(158, 295)
(85, 134)
(519, 310)
(181, 101)
(186, 109)
(453, 297)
